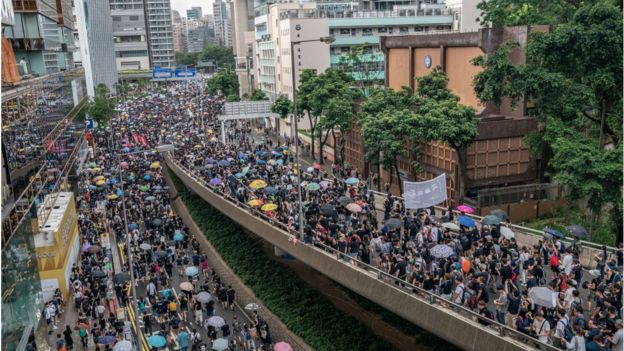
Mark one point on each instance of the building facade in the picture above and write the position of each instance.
(222, 23)
(159, 33)
(42, 37)
(243, 42)
(95, 28)
(498, 156)
(143, 35)
(195, 13)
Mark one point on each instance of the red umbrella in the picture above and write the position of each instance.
(465, 208)
(316, 166)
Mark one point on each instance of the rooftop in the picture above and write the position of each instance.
(45, 237)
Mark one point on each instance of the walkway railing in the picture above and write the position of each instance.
(417, 293)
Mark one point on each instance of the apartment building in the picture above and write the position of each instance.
(222, 23)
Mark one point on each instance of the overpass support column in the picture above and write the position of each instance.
(279, 252)
(223, 132)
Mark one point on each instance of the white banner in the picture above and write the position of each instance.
(425, 194)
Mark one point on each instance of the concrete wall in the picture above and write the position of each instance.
(447, 324)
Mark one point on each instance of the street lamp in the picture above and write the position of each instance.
(159, 148)
(327, 40)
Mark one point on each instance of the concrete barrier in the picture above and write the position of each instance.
(424, 311)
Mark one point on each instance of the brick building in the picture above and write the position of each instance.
(498, 157)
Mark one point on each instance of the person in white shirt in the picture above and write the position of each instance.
(541, 327)
(460, 290)
(567, 261)
(578, 341)
(618, 337)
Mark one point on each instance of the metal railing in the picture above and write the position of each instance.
(491, 325)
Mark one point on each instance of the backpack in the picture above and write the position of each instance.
(554, 261)
(562, 248)
(568, 333)
(173, 306)
(82, 332)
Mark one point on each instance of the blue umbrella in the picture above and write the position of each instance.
(191, 271)
(106, 340)
(553, 232)
(224, 163)
(157, 341)
(352, 181)
(157, 187)
(92, 187)
(467, 221)
(260, 154)
(279, 162)
(261, 162)
(270, 190)
(211, 161)
(242, 156)
(132, 226)
(119, 192)
(215, 181)
(126, 149)
(150, 198)
(178, 236)
(278, 155)
(113, 181)
(239, 175)
(147, 177)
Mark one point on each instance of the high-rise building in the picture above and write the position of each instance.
(159, 33)
(175, 16)
(222, 23)
(42, 38)
(137, 45)
(179, 36)
(195, 13)
(243, 43)
(95, 28)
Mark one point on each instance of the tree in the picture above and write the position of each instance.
(222, 56)
(332, 102)
(573, 79)
(258, 95)
(502, 13)
(225, 82)
(385, 101)
(282, 106)
(361, 64)
(102, 106)
(308, 82)
(186, 58)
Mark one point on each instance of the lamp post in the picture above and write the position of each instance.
(326, 40)
(160, 148)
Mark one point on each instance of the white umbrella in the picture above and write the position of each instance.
(203, 297)
(145, 246)
(220, 344)
(441, 251)
(543, 296)
(216, 321)
(252, 306)
(451, 226)
(507, 233)
(123, 345)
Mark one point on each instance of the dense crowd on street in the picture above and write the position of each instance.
(477, 265)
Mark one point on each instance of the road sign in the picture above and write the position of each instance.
(90, 123)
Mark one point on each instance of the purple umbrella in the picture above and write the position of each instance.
(215, 181)
(85, 247)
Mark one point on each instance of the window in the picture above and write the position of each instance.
(134, 18)
(345, 31)
(382, 30)
(116, 18)
(403, 30)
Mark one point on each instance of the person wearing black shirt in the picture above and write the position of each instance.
(231, 295)
(514, 304)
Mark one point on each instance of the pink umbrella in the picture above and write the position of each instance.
(282, 346)
(355, 208)
(124, 165)
(324, 184)
(465, 208)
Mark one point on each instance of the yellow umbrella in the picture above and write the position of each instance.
(213, 139)
(112, 197)
(198, 146)
(269, 207)
(210, 131)
(100, 182)
(155, 165)
(100, 177)
(97, 169)
(258, 184)
(255, 203)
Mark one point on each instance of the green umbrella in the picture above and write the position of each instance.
(490, 220)
(313, 186)
(144, 188)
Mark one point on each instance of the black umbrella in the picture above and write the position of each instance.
(98, 274)
(327, 210)
(160, 253)
(500, 214)
(576, 231)
(393, 223)
(157, 222)
(344, 201)
(121, 278)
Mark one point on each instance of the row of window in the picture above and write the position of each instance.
(386, 30)
(130, 18)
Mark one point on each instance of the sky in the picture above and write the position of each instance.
(183, 5)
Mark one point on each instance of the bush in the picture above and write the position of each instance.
(305, 312)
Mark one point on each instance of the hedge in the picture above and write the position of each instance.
(304, 311)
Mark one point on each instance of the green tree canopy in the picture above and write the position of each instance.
(258, 95)
(282, 106)
(573, 80)
(225, 82)
(102, 106)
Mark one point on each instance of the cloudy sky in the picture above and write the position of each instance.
(182, 5)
